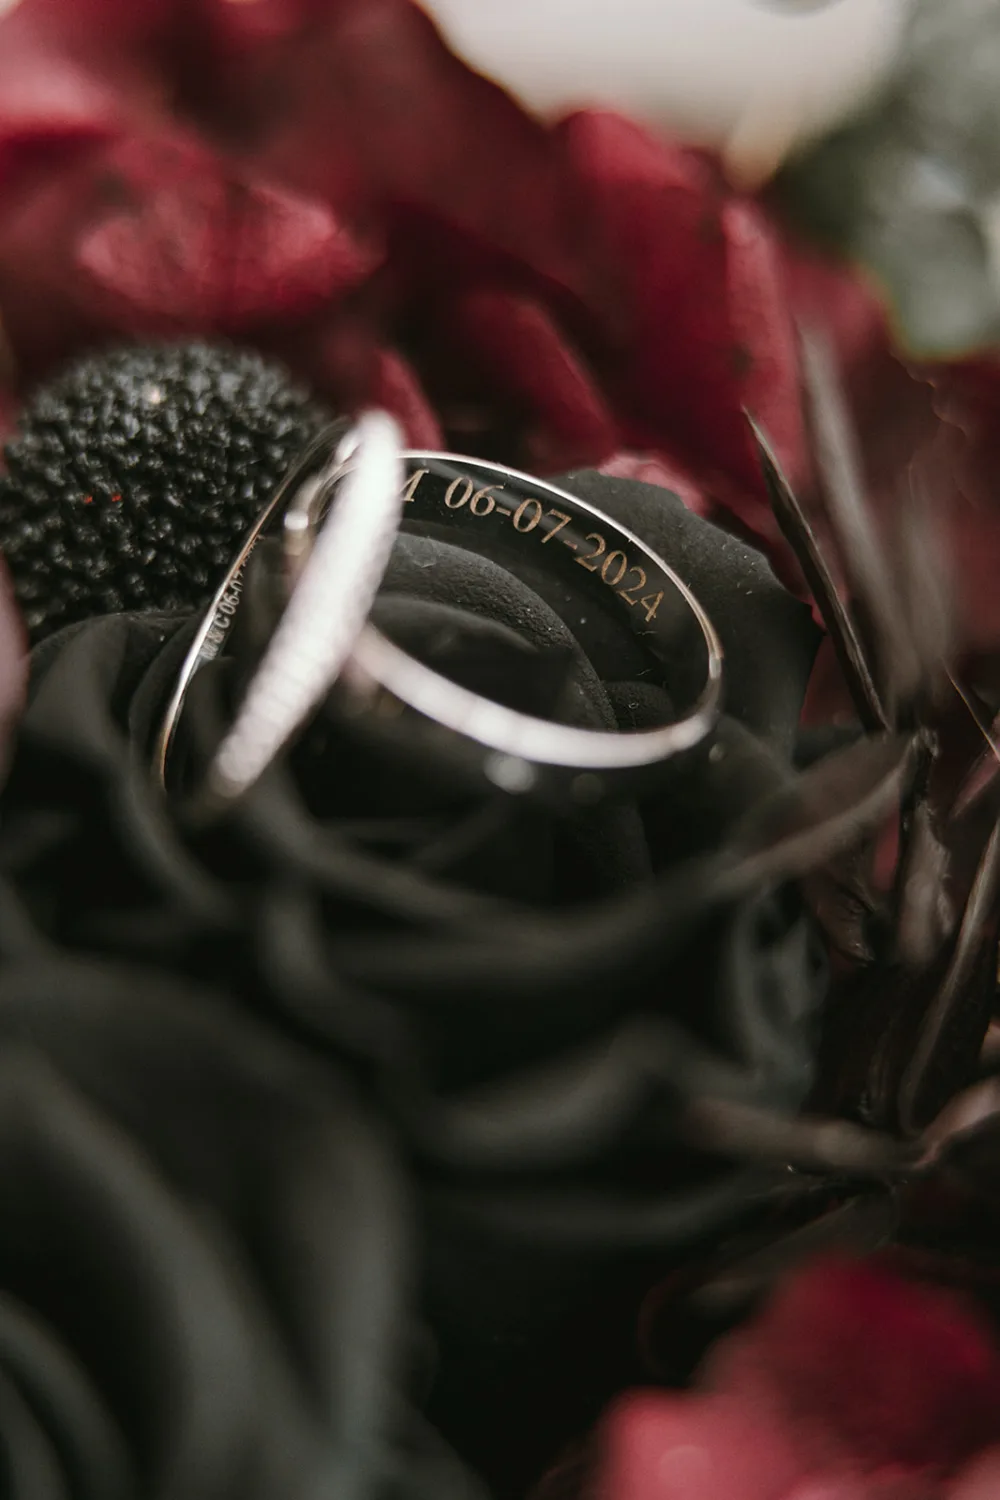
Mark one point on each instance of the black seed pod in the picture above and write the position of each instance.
(136, 473)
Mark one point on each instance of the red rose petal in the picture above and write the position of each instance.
(859, 1487)
(51, 99)
(891, 405)
(193, 250)
(660, 1447)
(99, 28)
(369, 110)
(79, 69)
(764, 327)
(867, 1370)
(980, 1481)
(45, 317)
(291, 255)
(348, 367)
(525, 357)
(854, 1487)
(341, 358)
(236, 25)
(159, 265)
(396, 389)
(958, 469)
(710, 329)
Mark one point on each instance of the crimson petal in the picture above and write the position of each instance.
(525, 354)
(367, 108)
(868, 1370)
(52, 100)
(980, 1481)
(78, 70)
(396, 389)
(710, 328)
(663, 1447)
(192, 248)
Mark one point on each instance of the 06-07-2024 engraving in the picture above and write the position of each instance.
(225, 611)
(532, 518)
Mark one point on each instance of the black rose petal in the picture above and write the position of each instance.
(452, 950)
(204, 1254)
(769, 638)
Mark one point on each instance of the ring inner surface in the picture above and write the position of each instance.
(582, 564)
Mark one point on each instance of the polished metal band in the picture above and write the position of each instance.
(546, 528)
(358, 480)
(377, 686)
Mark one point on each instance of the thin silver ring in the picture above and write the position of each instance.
(329, 604)
(515, 751)
(334, 586)
(379, 687)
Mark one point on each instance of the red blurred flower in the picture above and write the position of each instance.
(853, 1384)
(325, 179)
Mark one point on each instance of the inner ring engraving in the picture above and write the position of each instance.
(382, 689)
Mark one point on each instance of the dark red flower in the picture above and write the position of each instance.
(707, 323)
(326, 180)
(853, 1384)
(329, 181)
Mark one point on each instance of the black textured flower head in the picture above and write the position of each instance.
(137, 471)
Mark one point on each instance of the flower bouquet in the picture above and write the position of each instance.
(415, 1119)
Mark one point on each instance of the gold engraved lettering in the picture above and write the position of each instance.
(552, 531)
(629, 593)
(588, 562)
(530, 514)
(413, 484)
(449, 498)
(616, 563)
(534, 515)
(484, 497)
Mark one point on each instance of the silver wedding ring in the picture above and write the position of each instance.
(538, 526)
(360, 485)
(337, 516)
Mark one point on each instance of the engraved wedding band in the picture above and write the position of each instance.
(331, 597)
(562, 539)
(553, 535)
